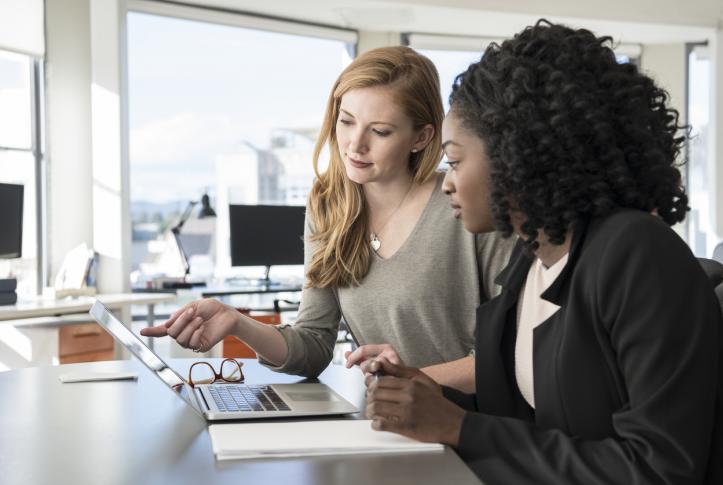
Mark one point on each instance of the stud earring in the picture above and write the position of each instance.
(414, 150)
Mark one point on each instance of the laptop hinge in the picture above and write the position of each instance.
(202, 399)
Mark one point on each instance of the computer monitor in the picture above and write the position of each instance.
(266, 235)
(11, 221)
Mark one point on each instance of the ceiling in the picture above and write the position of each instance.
(706, 13)
(638, 21)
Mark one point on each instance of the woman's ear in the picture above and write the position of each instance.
(424, 136)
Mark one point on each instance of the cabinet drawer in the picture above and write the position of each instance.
(83, 338)
(88, 357)
(236, 349)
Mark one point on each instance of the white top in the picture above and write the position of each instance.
(532, 310)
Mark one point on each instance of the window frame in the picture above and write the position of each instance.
(234, 18)
(37, 151)
(247, 20)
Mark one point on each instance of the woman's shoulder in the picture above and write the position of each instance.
(632, 239)
(629, 228)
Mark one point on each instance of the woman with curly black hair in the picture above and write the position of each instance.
(600, 360)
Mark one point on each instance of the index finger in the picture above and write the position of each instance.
(162, 329)
(361, 354)
(159, 331)
(383, 365)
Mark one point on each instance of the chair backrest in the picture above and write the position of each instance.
(714, 474)
(718, 253)
(714, 270)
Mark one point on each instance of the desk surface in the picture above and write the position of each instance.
(225, 290)
(248, 290)
(128, 432)
(64, 306)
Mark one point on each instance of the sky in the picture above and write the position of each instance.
(200, 90)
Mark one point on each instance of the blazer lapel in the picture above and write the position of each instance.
(497, 391)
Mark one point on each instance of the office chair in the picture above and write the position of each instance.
(714, 270)
(718, 253)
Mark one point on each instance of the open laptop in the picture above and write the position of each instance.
(220, 401)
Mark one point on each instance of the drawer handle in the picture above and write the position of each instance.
(88, 333)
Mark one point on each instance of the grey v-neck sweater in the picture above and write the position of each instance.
(422, 300)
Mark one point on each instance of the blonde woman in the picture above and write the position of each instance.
(380, 247)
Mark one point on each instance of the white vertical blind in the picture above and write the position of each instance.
(22, 26)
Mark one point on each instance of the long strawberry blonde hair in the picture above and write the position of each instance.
(336, 204)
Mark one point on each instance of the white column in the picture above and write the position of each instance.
(67, 83)
(715, 145)
(109, 134)
(371, 40)
(666, 64)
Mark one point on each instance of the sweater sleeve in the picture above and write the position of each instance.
(312, 338)
(493, 254)
(663, 324)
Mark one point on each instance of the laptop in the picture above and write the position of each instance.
(221, 401)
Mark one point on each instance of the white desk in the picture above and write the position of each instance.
(139, 432)
(66, 306)
(24, 335)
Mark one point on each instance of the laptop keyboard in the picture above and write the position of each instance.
(244, 397)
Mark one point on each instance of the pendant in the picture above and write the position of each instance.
(375, 242)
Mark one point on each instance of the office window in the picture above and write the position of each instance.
(225, 110)
(701, 237)
(18, 148)
(452, 62)
(449, 64)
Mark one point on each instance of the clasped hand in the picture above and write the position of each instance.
(365, 354)
(407, 401)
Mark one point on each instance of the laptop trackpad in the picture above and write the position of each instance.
(311, 396)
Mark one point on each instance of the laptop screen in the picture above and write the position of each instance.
(136, 346)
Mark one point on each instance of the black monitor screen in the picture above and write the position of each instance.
(266, 235)
(11, 220)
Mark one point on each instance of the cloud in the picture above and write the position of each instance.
(191, 139)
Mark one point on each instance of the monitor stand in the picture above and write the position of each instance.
(262, 283)
(266, 281)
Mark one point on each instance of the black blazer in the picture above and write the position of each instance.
(627, 372)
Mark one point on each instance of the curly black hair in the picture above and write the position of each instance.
(570, 132)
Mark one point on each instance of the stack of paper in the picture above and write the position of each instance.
(274, 439)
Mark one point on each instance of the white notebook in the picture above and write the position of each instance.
(276, 439)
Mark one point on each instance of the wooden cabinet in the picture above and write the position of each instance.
(84, 342)
(234, 348)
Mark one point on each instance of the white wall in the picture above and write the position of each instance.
(86, 131)
(109, 135)
(369, 40)
(715, 147)
(68, 128)
(666, 64)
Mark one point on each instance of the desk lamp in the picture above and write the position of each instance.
(205, 211)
